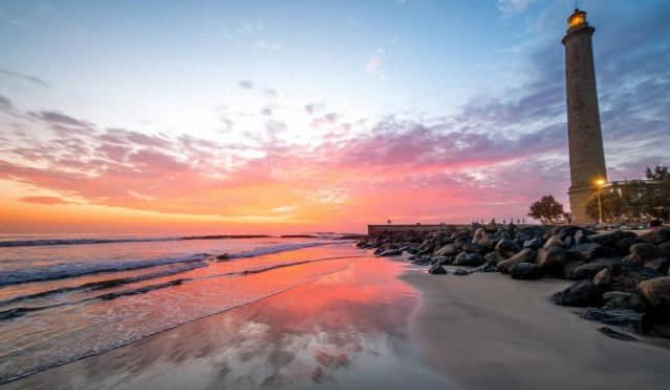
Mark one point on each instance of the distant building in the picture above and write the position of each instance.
(587, 157)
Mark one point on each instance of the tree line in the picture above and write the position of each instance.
(623, 202)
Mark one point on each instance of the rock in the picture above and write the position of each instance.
(659, 264)
(583, 293)
(422, 260)
(391, 253)
(552, 259)
(657, 236)
(635, 321)
(603, 279)
(609, 332)
(474, 248)
(530, 232)
(461, 272)
(627, 277)
(534, 243)
(437, 269)
(570, 266)
(623, 300)
(664, 249)
(589, 251)
(656, 292)
(507, 248)
(469, 259)
(554, 241)
(446, 250)
(222, 257)
(579, 236)
(441, 260)
(525, 256)
(610, 238)
(640, 253)
(623, 246)
(493, 258)
(526, 271)
(589, 270)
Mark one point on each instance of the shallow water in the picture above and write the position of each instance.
(344, 326)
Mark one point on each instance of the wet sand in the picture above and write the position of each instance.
(380, 324)
(347, 330)
(487, 331)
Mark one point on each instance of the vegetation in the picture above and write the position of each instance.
(636, 200)
(547, 210)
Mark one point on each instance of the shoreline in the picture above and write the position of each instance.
(346, 329)
(485, 330)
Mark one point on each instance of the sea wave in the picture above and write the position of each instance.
(68, 270)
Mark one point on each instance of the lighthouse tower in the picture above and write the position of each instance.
(587, 158)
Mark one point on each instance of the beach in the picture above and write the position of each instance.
(368, 322)
(488, 331)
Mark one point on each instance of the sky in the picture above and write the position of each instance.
(292, 116)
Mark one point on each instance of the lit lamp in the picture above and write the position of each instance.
(577, 19)
(600, 183)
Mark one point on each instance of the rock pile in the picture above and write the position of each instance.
(622, 278)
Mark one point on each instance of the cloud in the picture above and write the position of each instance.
(46, 200)
(246, 84)
(25, 77)
(57, 118)
(263, 45)
(514, 6)
(5, 104)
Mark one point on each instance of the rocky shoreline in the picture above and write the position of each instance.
(620, 278)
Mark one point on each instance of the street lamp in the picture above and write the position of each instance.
(600, 183)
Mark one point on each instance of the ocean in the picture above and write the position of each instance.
(65, 297)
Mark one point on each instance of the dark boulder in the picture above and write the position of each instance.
(391, 253)
(461, 272)
(611, 238)
(471, 247)
(640, 253)
(554, 241)
(525, 256)
(526, 271)
(437, 269)
(657, 236)
(622, 247)
(659, 264)
(626, 277)
(507, 248)
(589, 270)
(534, 243)
(656, 293)
(469, 259)
(629, 319)
(589, 251)
(422, 260)
(552, 259)
(529, 232)
(583, 293)
(570, 267)
(446, 250)
(623, 300)
(493, 258)
(441, 260)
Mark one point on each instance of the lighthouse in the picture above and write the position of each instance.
(587, 157)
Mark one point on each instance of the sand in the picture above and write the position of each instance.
(487, 331)
(380, 324)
